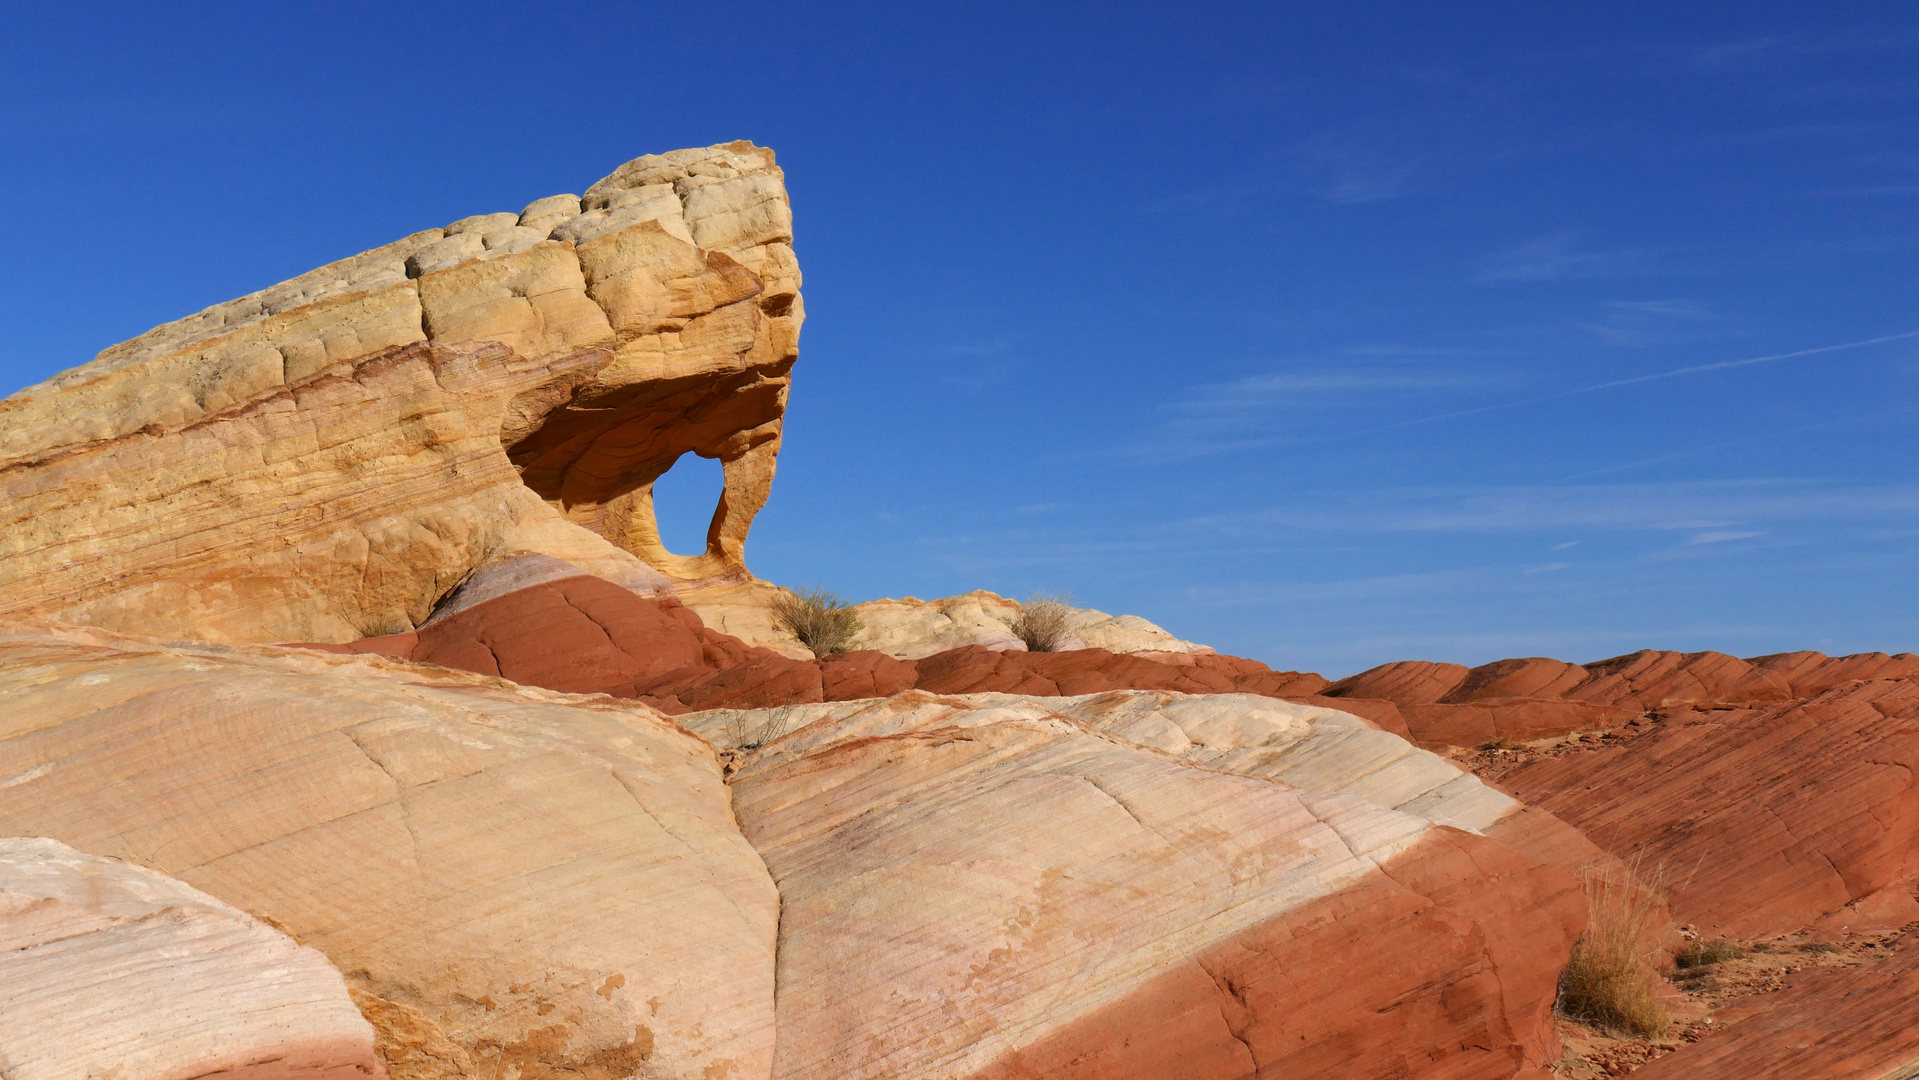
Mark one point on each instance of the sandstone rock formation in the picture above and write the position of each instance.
(913, 629)
(1768, 816)
(1534, 698)
(540, 621)
(515, 882)
(1861, 1024)
(324, 460)
(940, 855)
(111, 969)
(995, 888)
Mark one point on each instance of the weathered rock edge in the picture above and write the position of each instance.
(325, 459)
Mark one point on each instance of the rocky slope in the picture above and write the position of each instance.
(1023, 887)
(516, 877)
(541, 621)
(111, 969)
(527, 796)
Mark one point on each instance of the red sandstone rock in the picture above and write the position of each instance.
(1404, 682)
(1300, 995)
(981, 889)
(1537, 698)
(1531, 677)
(580, 634)
(1766, 818)
(1383, 715)
(1843, 1024)
(849, 676)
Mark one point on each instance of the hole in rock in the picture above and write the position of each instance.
(684, 500)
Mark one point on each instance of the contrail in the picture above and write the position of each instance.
(1673, 374)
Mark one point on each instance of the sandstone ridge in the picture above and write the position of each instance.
(327, 458)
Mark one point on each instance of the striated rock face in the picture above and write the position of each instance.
(1769, 816)
(111, 969)
(1535, 698)
(541, 622)
(324, 460)
(995, 888)
(913, 629)
(1860, 1024)
(514, 882)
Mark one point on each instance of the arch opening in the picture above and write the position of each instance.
(686, 501)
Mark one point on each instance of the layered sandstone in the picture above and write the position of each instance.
(1846, 1024)
(1536, 698)
(515, 882)
(994, 888)
(1767, 817)
(111, 969)
(540, 621)
(324, 460)
(912, 629)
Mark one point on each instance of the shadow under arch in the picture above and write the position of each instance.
(596, 458)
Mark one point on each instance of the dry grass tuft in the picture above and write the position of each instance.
(1042, 620)
(1701, 954)
(1610, 980)
(752, 729)
(822, 620)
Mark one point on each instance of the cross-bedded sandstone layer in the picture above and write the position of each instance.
(327, 458)
(1139, 886)
(108, 969)
(514, 882)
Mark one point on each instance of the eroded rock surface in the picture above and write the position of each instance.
(995, 888)
(1767, 817)
(325, 459)
(515, 882)
(914, 629)
(111, 969)
(1847, 1024)
(1535, 697)
(540, 621)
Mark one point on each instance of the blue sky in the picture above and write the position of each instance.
(1324, 334)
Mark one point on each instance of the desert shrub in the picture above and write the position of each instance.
(750, 729)
(1610, 979)
(822, 621)
(1042, 620)
(1699, 954)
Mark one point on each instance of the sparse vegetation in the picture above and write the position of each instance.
(750, 729)
(1699, 954)
(1610, 980)
(822, 620)
(1042, 621)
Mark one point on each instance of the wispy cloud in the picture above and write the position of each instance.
(1739, 51)
(1555, 257)
(1259, 392)
(1773, 48)
(1725, 509)
(1879, 192)
(1349, 167)
(1720, 536)
(1657, 376)
(1639, 323)
(977, 365)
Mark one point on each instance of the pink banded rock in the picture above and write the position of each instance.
(996, 888)
(513, 880)
(112, 969)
